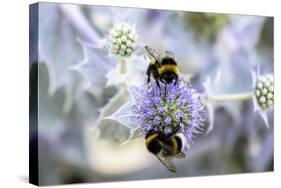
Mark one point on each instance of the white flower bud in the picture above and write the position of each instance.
(122, 39)
(265, 91)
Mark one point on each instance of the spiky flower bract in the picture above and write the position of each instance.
(181, 106)
(122, 39)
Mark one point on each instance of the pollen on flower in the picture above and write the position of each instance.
(181, 109)
(265, 91)
(123, 39)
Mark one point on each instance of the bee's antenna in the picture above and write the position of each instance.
(148, 49)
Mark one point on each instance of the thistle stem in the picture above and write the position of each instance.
(230, 97)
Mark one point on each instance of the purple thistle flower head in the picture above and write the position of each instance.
(181, 108)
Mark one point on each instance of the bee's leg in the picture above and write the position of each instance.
(165, 91)
(165, 88)
(148, 73)
(176, 80)
(158, 85)
(148, 79)
(173, 132)
(177, 128)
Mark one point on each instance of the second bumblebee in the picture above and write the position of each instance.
(166, 147)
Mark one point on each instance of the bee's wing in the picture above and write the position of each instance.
(153, 53)
(158, 54)
(167, 162)
(168, 149)
(169, 54)
(180, 155)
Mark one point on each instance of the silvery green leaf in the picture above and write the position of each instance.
(224, 82)
(209, 88)
(49, 107)
(134, 134)
(114, 103)
(93, 68)
(86, 106)
(137, 67)
(125, 116)
(63, 131)
(211, 112)
(129, 70)
(100, 17)
(58, 46)
(76, 17)
(134, 93)
(114, 76)
(112, 130)
(264, 117)
(109, 128)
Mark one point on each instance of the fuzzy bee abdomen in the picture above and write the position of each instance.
(152, 143)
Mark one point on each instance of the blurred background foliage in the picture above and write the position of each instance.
(76, 143)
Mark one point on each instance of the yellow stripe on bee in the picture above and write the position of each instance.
(170, 68)
(150, 138)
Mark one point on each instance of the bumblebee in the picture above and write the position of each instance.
(165, 148)
(162, 67)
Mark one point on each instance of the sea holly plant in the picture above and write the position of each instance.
(148, 110)
(263, 98)
(120, 45)
(116, 46)
(262, 95)
(123, 44)
(185, 107)
(96, 71)
(236, 53)
(167, 118)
